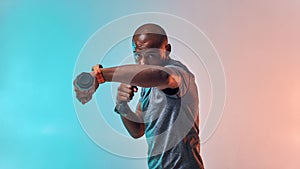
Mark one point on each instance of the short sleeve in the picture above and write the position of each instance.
(184, 77)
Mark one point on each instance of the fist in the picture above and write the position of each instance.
(84, 93)
(125, 93)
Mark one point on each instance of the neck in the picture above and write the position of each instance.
(166, 60)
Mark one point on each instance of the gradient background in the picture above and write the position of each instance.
(258, 43)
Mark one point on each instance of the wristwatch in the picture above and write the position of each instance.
(119, 108)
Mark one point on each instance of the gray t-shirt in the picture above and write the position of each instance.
(172, 123)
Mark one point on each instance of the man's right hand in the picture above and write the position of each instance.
(125, 93)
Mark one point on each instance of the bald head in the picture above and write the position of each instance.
(151, 32)
(150, 28)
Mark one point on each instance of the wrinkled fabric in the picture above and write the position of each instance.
(172, 123)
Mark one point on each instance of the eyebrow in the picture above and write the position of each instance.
(147, 51)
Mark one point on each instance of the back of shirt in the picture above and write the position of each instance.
(172, 123)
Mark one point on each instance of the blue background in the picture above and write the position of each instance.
(39, 45)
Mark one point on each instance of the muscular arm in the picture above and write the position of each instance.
(142, 75)
(139, 75)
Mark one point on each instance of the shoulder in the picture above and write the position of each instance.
(175, 64)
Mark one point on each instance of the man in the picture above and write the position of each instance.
(167, 112)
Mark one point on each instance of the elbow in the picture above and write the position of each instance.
(164, 75)
(168, 80)
(136, 135)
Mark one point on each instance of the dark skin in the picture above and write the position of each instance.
(152, 54)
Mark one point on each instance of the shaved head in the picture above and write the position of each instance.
(151, 32)
(150, 28)
(150, 45)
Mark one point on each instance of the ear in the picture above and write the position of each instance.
(168, 49)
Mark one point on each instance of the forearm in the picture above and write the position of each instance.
(132, 121)
(135, 129)
(137, 75)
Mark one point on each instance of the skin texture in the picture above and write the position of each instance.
(151, 50)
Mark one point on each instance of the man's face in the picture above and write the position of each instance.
(148, 50)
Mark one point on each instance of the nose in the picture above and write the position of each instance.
(143, 61)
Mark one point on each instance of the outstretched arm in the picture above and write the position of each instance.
(142, 75)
